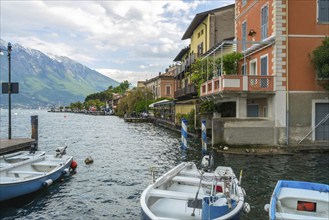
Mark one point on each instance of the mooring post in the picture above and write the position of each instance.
(34, 126)
(204, 136)
(184, 134)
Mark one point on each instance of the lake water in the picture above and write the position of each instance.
(123, 153)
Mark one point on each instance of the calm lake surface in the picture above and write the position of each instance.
(123, 153)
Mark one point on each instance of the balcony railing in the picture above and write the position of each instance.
(237, 83)
(186, 91)
(186, 63)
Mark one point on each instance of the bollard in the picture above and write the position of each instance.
(204, 136)
(184, 134)
(34, 127)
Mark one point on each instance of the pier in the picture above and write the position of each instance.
(138, 119)
(12, 145)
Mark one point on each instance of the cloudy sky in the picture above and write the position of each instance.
(125, 40)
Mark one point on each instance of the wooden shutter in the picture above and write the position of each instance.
(323, 10)
(263, 66)
(264, 25)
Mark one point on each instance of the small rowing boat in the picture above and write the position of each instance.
(297, 200)
(185, 192)
(24, 173)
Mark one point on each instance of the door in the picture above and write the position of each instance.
(322, 115)
(252, 110)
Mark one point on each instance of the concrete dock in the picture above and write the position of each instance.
(12, 145)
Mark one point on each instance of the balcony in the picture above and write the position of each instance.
(187, 91)
(186, 64)
(237, 83)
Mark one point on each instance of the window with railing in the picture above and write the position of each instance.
(263, 72)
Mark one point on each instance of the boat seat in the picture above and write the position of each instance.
(46, 163)
(171, 194)
(190, 180)
(282, 215)
(287, 193)
(25, 172)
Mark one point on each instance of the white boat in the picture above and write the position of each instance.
(188, 193)
(24, 174)
(292, 200)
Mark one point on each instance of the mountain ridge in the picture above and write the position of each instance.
(46, 80)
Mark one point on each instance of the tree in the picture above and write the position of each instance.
(122, 88)
(320, 61)
(137, 101)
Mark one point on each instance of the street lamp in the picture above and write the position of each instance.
(146, 102)
(8, 88)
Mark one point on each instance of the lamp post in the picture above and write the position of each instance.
(9, 88)
(146, 102)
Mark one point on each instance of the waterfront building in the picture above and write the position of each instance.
(206, 32)
(275, 94)
(162, 86)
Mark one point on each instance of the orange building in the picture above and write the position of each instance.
(163, 85)
(276, 90)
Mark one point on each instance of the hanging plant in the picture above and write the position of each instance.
(230, 62)
(320, 61)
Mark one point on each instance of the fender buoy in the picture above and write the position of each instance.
(73, 165)
(89, 160)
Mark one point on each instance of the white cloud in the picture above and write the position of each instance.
(122, 36)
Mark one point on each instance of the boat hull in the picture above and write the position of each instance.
(11, 188)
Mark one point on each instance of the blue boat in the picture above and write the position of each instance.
(21, 176)
(298, 200)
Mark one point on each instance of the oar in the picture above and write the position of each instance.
(197, 193)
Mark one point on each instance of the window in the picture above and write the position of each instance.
(244, 69)
(202, 32)
(200, 49)
(264, 22)
(168, 90)
(253, 72)
(244, 2)
(253, 68)
(244, 36)
(263, 66)
(323, 11)
(263, 72)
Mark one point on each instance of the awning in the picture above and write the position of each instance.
(152, 105)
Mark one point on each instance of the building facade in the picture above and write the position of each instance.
(275, 91)
(163, 85)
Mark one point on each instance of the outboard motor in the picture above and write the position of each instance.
(207, 162)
